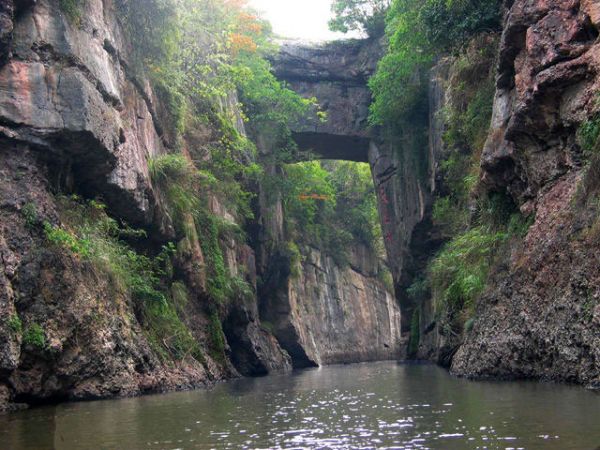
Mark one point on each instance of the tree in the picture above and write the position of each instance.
(362, 15)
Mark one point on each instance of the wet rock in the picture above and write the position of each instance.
(543, 326)
(326, 313)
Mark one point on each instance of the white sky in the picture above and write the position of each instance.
(300, 19)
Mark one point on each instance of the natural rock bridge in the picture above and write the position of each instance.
(336, 74)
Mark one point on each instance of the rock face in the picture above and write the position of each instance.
(336, 74)
(75, 118)
(540, 317)
(323, 314)
(95, 347)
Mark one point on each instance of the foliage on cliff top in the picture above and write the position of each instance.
(361, 15)
(209, 58)
(418, 31)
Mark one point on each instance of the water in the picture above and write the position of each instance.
(382, 405)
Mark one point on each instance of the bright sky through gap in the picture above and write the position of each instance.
(299, 19)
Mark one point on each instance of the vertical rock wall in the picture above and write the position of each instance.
(323, 313)
(74, 118)
(540, 316)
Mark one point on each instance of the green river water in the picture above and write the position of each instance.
(371, 406)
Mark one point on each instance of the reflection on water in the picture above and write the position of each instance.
(382, 405)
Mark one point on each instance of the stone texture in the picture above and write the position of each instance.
(95, 347)
(6, 28)
(75, 118)
(336, 74)
(538, 317)
(546, 86)
(325, 314)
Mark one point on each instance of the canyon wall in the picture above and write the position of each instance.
(327, 314)
(77, 121)
(336, 74)
(540, 316)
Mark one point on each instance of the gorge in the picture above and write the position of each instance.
(158, 237)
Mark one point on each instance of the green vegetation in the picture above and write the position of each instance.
(35, 336)
(179, 182)
(458, 274)
(217, 338)
(385, 276)
(88, 232)
(15, 324)
(362, 15)
(331, 205)
(418, 31)
(72, 9)
(467, 117)
(67, 240)
(30, 214)
(91, 234)
(168, 335)
(588, 135)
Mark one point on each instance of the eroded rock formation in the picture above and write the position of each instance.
(540, 317)
(316, 313)
(76, 118)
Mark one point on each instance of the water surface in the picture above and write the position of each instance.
(381, 405)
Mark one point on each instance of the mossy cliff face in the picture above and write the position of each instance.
(523, 303)
(76, 120)
(536, 315)
(79, 129)
(540, 316)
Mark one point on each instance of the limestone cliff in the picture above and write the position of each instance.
(540, 317)
(77, 119)
(318, 308)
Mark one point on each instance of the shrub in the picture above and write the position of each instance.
(331, 205)
(15, 324)
(166, 332)
(418, 31)
(217, 338)
(66, 239)
(588, 134)
(29, 211)
(385, 276)
(34, 336)
(362, 15)
(95, 236)
(72, 9)
(419, 289)
(179, 181)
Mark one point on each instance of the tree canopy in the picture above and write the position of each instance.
(361, 15)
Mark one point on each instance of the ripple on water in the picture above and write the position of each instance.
(384, 406)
